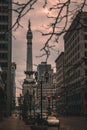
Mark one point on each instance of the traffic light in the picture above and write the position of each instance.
(58, 96)
(49, 97)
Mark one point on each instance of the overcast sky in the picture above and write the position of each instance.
(38, 20)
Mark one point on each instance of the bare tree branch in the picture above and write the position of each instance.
(22, 10)
(62, 12)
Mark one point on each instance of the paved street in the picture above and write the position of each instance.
(72, 123)
(67, 123)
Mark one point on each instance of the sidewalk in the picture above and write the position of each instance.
(13, 123)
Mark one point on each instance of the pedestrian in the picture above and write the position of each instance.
(38, 119)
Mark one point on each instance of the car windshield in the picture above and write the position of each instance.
(51, 118)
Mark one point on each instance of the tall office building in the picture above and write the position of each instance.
(75, 45)
(6, 48)
(60, 82)
(42, 68)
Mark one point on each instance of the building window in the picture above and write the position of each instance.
(85, 61)
(3, 28)
(4, 37)
(85, 20)
(4, 9)
(85, 53)
(3, 46)
(4, 1)
(85, 29)
(85, 72)
(85, 37)
(3, 18)
(4, 56)
(4, 64)
(85, 45)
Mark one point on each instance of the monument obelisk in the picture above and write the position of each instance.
(28, 81)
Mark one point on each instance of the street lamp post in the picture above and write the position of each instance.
(34, 102)
(41, 88)
(49, 104)
(41, 99)
(52, 102)
(40, 127)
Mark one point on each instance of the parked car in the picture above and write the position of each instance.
(53, 121)
(42, 120)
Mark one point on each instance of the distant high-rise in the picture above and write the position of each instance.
(6, 48)
(45, 74)
(42, 68)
